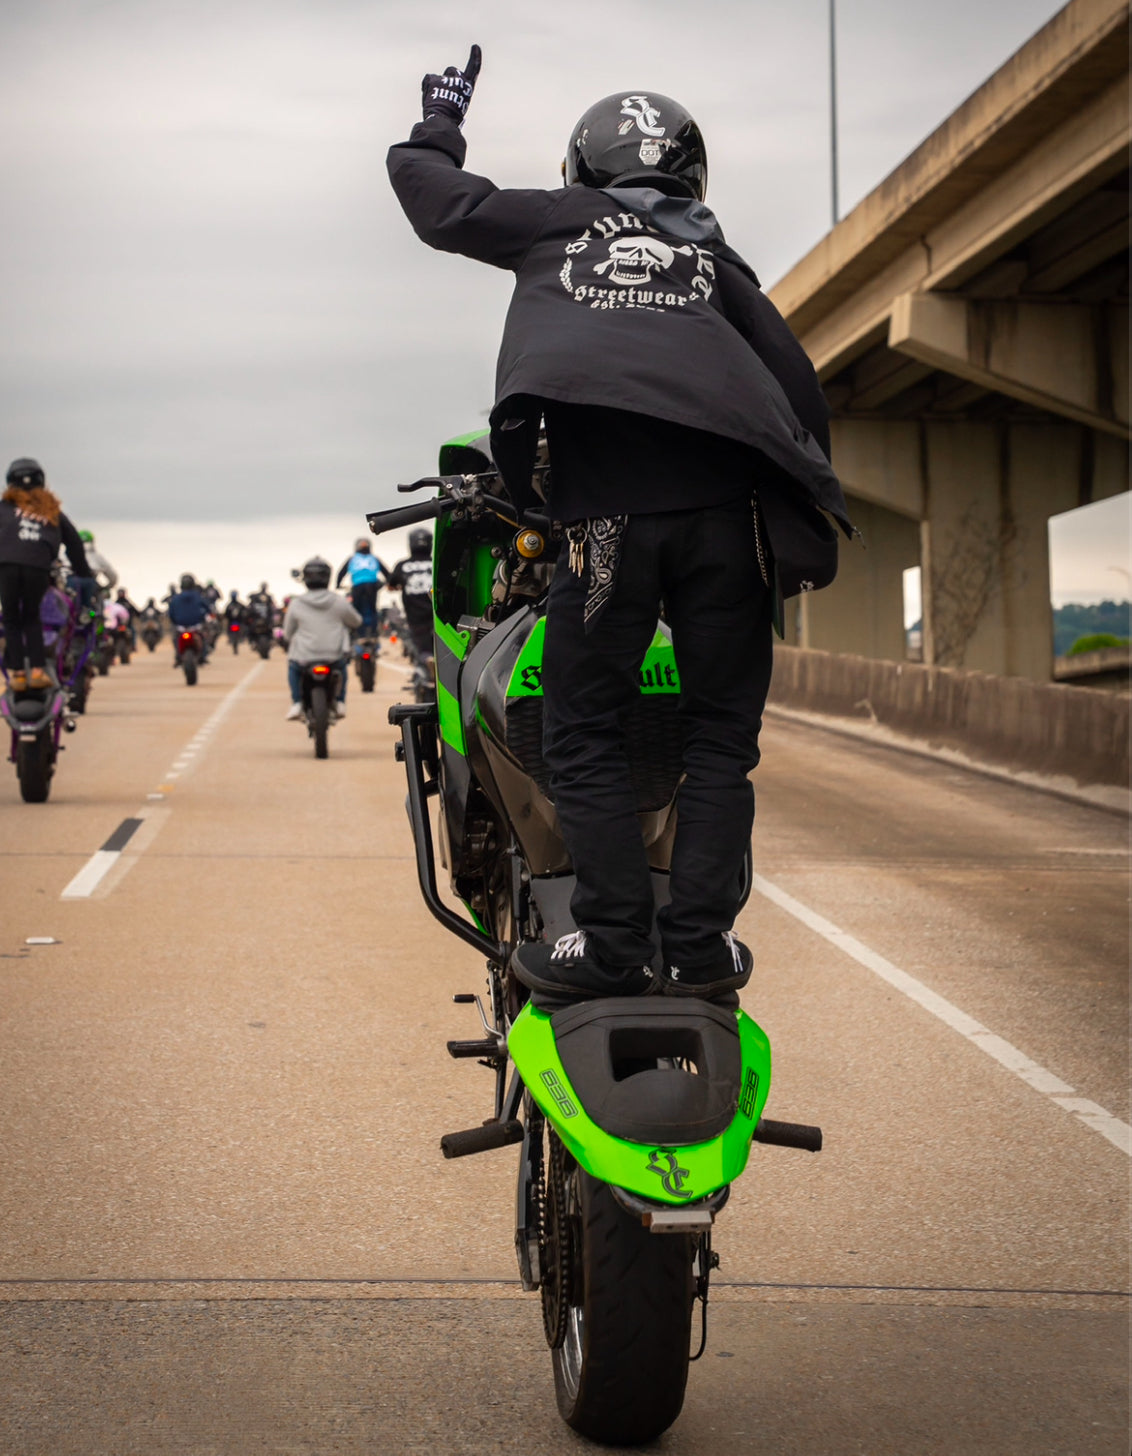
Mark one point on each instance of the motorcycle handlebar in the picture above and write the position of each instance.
(379, 521)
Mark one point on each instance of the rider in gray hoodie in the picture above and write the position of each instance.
(317, 628)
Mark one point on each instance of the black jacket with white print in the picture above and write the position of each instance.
(622, 298)
(29, 541)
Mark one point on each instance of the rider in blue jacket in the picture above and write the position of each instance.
(188, 609)
(365, 572)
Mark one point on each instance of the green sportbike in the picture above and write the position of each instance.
(633, 1115)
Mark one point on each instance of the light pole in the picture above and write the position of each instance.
(833, 107)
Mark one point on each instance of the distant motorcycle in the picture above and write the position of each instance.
(188, 644)
(122, 644)
(151, 633)
(234, 635)
(260, 632)
(77, 668)
(321, 683)
(36, 720)
(106, 651)
(366, 651)
(37, 717)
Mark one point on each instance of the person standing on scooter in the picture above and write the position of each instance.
(32, 528)
(689, 449)
(316, 628)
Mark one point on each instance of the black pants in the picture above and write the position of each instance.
(364, 596)
(21, 591)
(420, 633)
(703, 565)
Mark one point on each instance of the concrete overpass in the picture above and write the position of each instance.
(969, 322)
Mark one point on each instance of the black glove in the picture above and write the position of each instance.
(451, 94)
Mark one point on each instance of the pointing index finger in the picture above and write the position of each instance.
(472, 69)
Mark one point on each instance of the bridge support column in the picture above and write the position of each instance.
(989, 492)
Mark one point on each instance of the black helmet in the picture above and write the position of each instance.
(316, 573)
(188, 582)
(26, 474)
(420, 542)
(362, 544)
(638, 139)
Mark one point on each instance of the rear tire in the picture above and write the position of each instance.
(35, 763)
(189, 665)
(367, 671)
(320, 720)
(621, 1370)
(124, 653)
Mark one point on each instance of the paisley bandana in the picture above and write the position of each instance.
(604, 536)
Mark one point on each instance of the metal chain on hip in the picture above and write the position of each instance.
(760, 549)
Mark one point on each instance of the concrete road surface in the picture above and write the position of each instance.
(225, 1225)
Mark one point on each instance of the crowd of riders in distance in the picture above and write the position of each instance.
(42, 602)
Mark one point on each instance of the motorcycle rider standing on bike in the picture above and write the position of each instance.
(673, 392)
(32, 528)
(365, 572)
(316, 628)
(413, 579)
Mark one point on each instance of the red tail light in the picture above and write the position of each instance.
(235, 626)
(366, 656)
(320, 671)
(186, 636)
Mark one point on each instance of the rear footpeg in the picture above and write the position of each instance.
(488, 1047)
(480, 1139)
(788, 1135)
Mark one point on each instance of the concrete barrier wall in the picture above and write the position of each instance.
(1049, 728)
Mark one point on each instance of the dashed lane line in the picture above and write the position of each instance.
(1038, 1077)
(103, 860)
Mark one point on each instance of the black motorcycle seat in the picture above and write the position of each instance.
(610, 1050)
(29, 710)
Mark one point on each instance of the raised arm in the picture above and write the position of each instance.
(450, 209)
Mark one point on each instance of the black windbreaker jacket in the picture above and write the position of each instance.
(28, 541)
(624, 299)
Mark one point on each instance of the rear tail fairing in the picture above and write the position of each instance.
(28, 715)
(655, 1097)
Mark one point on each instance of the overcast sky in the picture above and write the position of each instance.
(212, 306)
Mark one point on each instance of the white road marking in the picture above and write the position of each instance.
(1118, 1133)
(88, 879)
(102, 861)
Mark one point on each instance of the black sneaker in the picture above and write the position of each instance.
(566, 971)
(716, 977)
